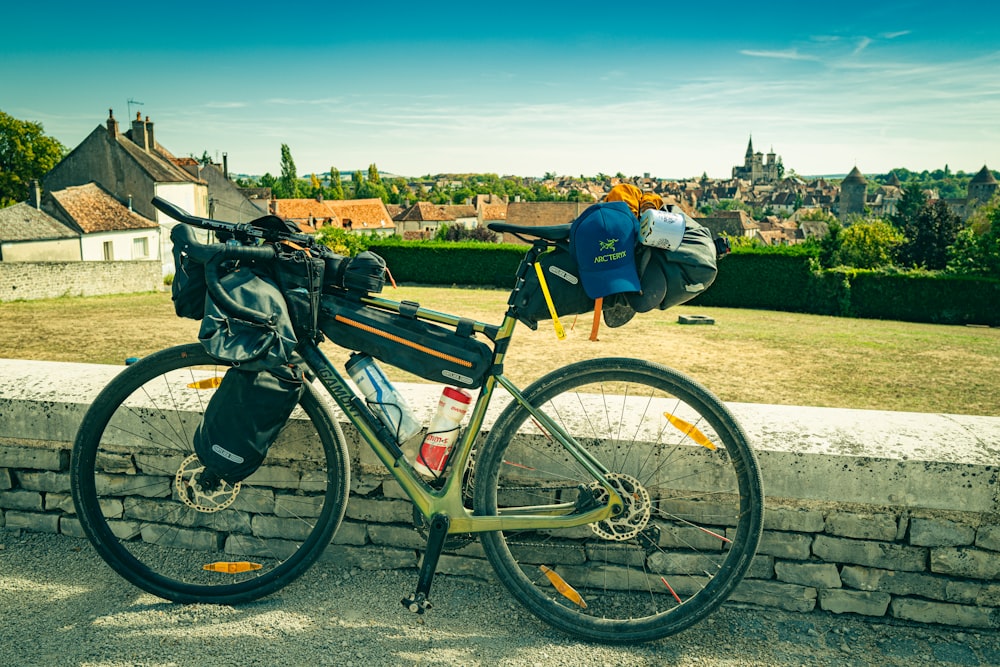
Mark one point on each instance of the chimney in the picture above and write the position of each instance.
(139, 132)
(35, 193)
(151, 141)
(225, 166)
(112, 124)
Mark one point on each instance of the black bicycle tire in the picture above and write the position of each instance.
(745, 468)
(96, 528)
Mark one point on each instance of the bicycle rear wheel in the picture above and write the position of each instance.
(134, 480)
(692, 491)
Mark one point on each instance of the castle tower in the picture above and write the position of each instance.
(981, 188)
(853, 191)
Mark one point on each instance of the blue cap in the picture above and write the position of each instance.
(603, 239)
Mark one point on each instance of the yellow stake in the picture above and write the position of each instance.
(560, 332)
(565, 589)
(691, 430)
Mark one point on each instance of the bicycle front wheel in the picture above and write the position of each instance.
(134, 482)
(681, 463)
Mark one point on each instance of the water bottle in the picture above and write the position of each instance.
(442, 432)
(382, 397)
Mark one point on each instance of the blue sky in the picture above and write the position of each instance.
(522, 88)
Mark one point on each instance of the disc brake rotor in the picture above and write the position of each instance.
(194, 495)
(635, 513)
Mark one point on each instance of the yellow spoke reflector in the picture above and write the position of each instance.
(690, 430)
(232, 567)
(565, 589)
(207, 383)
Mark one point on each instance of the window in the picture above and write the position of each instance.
(109, 251)
(140, 248)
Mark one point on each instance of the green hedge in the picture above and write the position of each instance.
(769, 279)
(451, 263)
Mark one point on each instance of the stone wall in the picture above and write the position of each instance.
(869, 513)
(45, 280)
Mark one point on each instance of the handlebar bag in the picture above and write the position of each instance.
(252, 346)
(434, 352)
(300, 276)
(243, 419)
(187, 290)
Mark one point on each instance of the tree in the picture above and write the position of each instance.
(929, 229)
(315, 187)
(976, 250)
(829, 245)
(336, 189)
(26, 154)
(869, 244)
(287, 186)
(373, 174)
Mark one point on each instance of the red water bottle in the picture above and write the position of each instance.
(442, 432)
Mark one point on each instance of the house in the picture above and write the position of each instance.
(363, 216)
(133, 167)
(30, 234)
(424, 218)
(308, 213)
(734, 223)
(109, 231)
(539, 214)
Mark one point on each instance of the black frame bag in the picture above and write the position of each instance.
(426, 349)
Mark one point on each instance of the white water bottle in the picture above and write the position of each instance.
(442, 432)
(382, 397)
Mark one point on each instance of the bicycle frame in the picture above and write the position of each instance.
(447, 501)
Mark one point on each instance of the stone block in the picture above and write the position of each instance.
(793, 520)
(791, 546)
(817, 575)
(350, 532)
(854, 602)
(973, 592)
(940, 533)
(862, 526)
(790, 597)
(965, 562)
(35, 458)
(17, 499)
(872, 554)
(988, 537)
(59, 502)
(396, 536)
(41, 523)
(375, 510)
(70, 526)
(369, 557)
(924, 611)
(465, 567)
(896, 583)
(5, 479)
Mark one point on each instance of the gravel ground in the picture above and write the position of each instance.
(61, 605)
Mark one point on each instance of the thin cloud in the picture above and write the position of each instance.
(226, 105)
(787, 54)
(894, 35)
(862, 45)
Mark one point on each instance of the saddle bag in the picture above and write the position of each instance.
(562, 276)
(431, 351)
(672, 277)
(244, 417)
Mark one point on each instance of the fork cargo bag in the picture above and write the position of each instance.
(244, 417)
(433, 352)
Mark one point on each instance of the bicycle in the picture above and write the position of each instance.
(616, 499)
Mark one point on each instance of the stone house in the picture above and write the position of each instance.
(109, 231)
(30, 234)
(133, 167)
